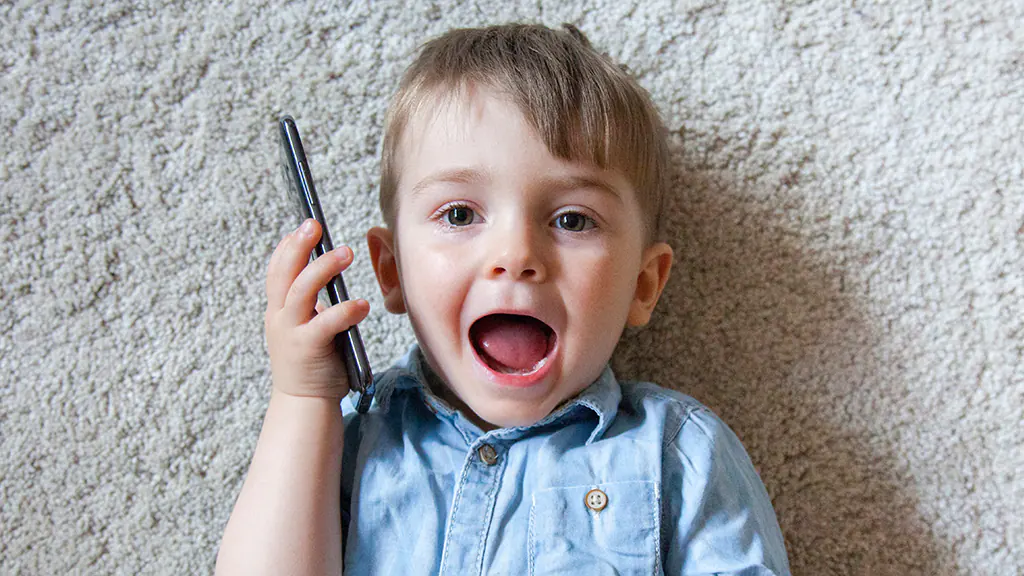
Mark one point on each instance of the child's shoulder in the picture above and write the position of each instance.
(668, 409)
(640, 392)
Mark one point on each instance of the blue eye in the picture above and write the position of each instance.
(459, 216)
(573, 222)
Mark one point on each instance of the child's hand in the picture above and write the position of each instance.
(300, 331)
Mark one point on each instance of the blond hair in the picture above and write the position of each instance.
(583, 106)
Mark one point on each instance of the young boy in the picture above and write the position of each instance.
(522, 182)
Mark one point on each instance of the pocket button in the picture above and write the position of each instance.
(596, 500)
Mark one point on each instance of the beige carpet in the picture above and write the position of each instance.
(848, 295)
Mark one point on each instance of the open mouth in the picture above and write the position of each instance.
(512, 343)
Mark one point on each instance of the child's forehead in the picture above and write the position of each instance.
(479, 116)
(448, 110)
(452, 127)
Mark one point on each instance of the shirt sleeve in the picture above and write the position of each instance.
(718, 518)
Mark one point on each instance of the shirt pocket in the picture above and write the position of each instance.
(568, 536)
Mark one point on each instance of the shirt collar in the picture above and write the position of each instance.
(601, 398)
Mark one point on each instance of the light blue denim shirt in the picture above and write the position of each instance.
(626, 478)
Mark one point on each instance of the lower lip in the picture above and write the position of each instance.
(523, 380)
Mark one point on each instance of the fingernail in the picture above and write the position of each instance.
(307, 227)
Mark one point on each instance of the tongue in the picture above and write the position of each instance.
(517, 343)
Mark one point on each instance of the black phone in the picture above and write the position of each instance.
(299, 181)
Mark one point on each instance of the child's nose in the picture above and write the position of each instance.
(515, 254)
(516, 270)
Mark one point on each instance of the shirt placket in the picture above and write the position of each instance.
(469, 523)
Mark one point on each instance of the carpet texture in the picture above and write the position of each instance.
(848, 293)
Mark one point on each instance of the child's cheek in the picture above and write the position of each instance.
(601, 286)
(436, 275)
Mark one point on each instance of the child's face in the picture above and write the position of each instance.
(489, 222)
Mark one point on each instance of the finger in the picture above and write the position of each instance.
(293, 258)
(338, 318)
(275, 295)
(320, 307)
(302, 296)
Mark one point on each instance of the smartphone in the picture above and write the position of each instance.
(299, 181)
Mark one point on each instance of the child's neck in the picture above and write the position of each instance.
(436, 385)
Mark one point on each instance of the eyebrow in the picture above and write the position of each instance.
(471, 176)
(453, 176)
(577, 182)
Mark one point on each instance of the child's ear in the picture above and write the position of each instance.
(385, 265)
(656, 263)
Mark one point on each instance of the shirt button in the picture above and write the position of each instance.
(596, 500)
(488, 454)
